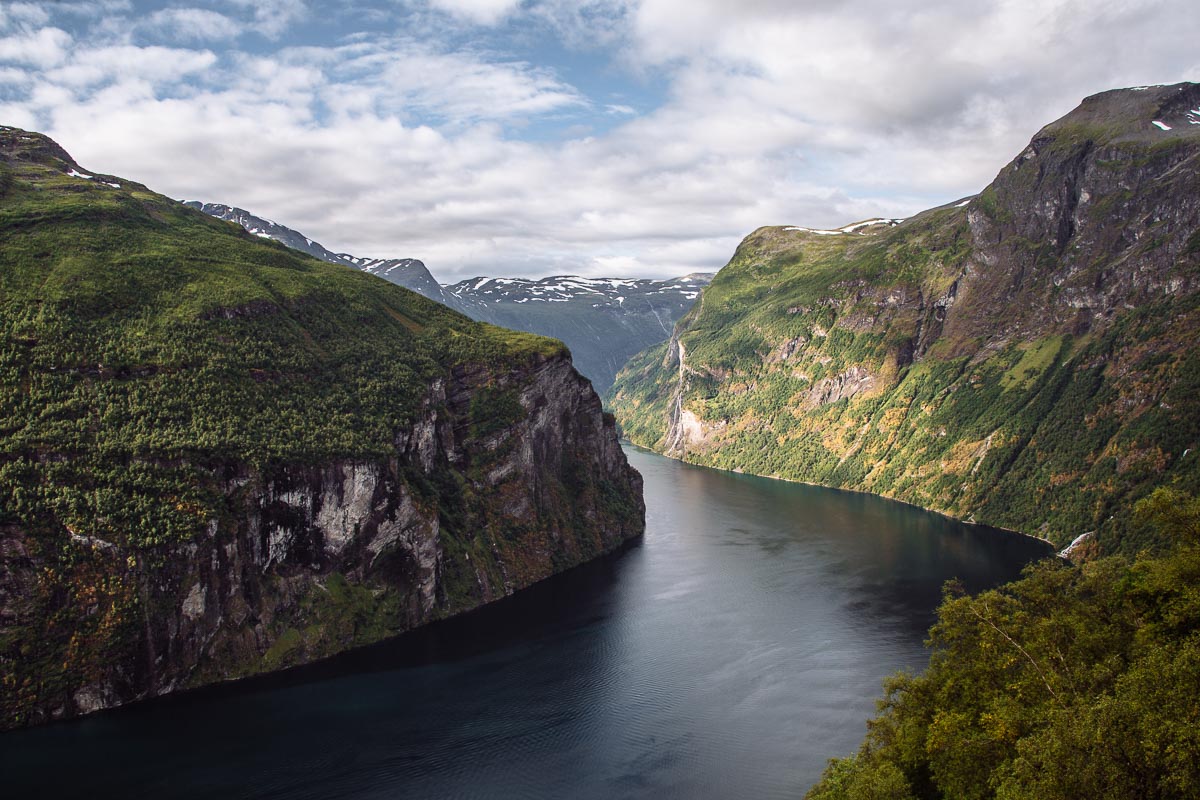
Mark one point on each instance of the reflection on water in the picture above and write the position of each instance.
(730, 653)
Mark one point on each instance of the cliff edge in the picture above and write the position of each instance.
(220, 457)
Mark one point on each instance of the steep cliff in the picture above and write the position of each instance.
(1025, 357)
(219, 457)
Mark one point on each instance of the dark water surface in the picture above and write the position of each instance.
(729, 654)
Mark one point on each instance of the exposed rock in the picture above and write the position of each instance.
(221, 457)
(1026, 358)
(315, 559)
(854, 381)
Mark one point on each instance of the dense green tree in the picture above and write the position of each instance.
(1075, 681)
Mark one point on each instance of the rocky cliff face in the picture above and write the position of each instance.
(1096, 216)
(1025, 357)
(312, 559)
(219, 457)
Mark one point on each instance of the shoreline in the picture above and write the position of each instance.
(1054, 547)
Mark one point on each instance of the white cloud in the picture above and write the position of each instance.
(409, 142)
(88, 9)
(273, 17)
(886, 96)
(585, 24)
(14, 76)
(43, 48)
(18, 115)
(192, 24)
(481, 12)
(14, 14)
(405, 77)
(126, 63)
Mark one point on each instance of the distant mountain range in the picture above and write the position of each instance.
(603, 321)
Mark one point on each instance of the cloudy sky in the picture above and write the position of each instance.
(598, 137)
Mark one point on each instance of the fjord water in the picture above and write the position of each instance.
(729, 653)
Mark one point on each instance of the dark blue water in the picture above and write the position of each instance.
(730, 653)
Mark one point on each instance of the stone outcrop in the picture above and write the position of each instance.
(312, 559)
(851, 383)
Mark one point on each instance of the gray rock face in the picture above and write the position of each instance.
(1025, 357)
(504, 479)
(854, 381)
(1092, 223)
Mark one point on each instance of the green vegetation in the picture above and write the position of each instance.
(970, 360)
(494, 410)
(1075, 681)
(1029, 360)
(1036, 358)
(158, 368)
(143, 342)
(989, 363)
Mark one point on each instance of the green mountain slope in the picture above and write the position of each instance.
(219, 456)
(1025, 358)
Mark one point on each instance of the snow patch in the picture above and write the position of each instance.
(83, 175)
(1162, 125)
(811, 230)
(890, 222)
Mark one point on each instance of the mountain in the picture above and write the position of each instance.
(407, 272)
(603, 321)
(221, 457)
(1026, 357)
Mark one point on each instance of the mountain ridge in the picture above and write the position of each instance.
(604, 320)
(410, 273)
(1022, 357)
